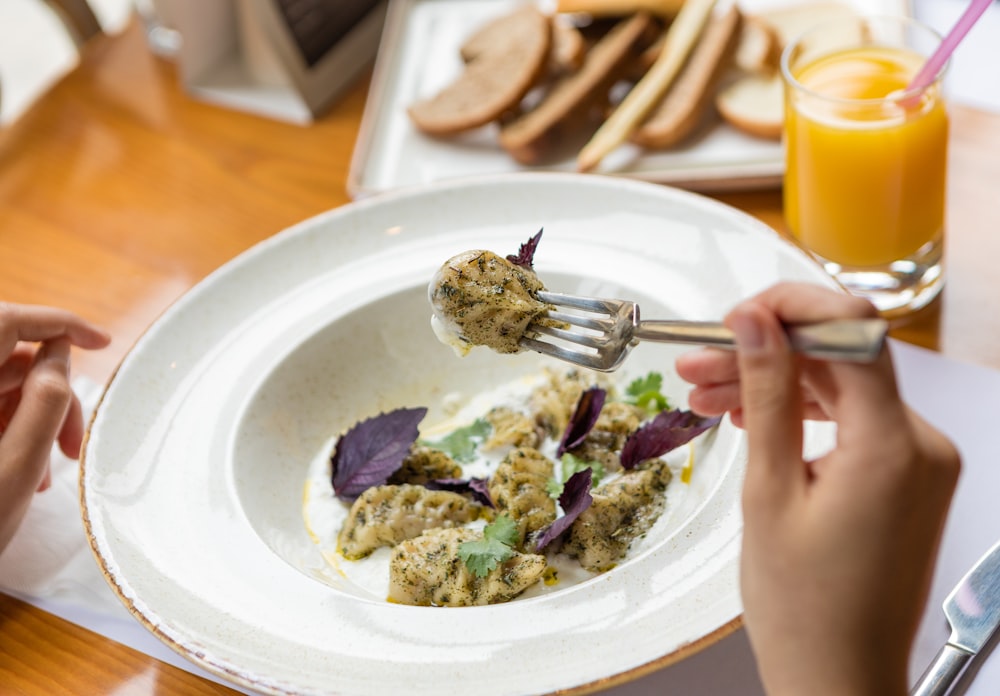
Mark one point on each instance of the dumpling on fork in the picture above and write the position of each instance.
(482, 299)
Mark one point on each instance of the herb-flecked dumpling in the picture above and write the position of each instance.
(425, 464)
(482, 299)
(511, 429)
(387, 515)
(518, 488)
(428, 571)
(554, 401)
(623, 510)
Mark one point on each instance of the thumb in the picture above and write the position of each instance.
(771, 400)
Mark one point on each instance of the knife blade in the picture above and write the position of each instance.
(973, 612)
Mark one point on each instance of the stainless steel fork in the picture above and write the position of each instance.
(609, 329)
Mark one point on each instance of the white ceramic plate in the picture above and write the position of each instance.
(194, 466)
(418, 55)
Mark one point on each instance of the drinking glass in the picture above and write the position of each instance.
(865, 158)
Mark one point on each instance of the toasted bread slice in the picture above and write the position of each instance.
(792, 20)
(566, 50)
(754, 104)
(759, 49)
(505, 59)
(646, 59)
(570, 104)
(689, 98)
(569, 48)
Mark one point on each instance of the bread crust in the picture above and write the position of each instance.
(689, 98)
(754, 104)
(568, 48)
(759, 49)
(573, 101)
(504, 60)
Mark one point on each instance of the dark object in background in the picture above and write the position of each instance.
(284, 59)
(317, 25)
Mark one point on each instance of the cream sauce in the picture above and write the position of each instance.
(324, 514)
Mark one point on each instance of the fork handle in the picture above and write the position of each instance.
(852, 340)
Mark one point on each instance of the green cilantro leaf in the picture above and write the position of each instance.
(554, 487)
(570, 465)
(496, 546)
(646, 393)
(461, 444)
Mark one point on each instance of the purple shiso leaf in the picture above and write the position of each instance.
(371, 451)
(525, 256)
(478, 488)
(574, 499)
(669, 430)
(588, 408)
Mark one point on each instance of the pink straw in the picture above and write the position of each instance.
(933, 66)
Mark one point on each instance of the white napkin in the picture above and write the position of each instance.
(49, 563)
(49, 556)
(36, 50)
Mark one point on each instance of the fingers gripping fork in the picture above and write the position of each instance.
(601, 332)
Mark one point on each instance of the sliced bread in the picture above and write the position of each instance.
(569, 48)
(504, 60)
(754, 104)
(790, 21)
(575, 100)
(689, 98)
(759, 48)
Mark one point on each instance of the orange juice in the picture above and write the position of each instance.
(865, 175)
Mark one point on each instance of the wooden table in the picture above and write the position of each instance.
(118, 193)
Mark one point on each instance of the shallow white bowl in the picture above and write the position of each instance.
(195, 462)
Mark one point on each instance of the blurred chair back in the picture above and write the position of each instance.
(40, 41)
(79, 18)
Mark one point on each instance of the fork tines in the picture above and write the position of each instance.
(598, 346)
(601, 316)
(588, 304)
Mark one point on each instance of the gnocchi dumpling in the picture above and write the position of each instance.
(387, 515)
(623, 509)
(427, 571)
(518, 488)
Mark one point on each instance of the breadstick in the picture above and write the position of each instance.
(620, 8)
(681, 37)
(683, 107)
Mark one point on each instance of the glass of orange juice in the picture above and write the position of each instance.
(865, 158)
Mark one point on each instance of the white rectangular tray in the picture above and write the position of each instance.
(418, 55)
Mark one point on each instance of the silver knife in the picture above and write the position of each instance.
(973, 612)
